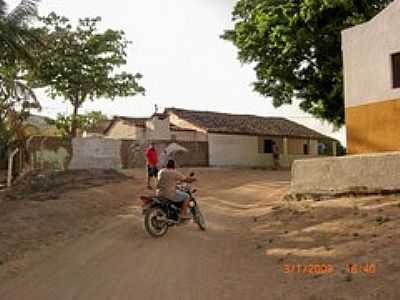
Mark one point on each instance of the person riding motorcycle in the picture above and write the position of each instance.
(166, 187)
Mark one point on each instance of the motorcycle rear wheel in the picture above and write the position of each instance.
(152, 223)
(199, 219)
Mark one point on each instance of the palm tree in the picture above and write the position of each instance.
(16, 101)
(15, 36)
(16, 97)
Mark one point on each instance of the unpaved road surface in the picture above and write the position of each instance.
(251, 236)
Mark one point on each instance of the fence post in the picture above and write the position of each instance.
(10, 167)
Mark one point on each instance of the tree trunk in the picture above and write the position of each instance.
(74, 125)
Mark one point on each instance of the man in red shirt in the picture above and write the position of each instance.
(152, 161)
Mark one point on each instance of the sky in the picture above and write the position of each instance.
(176, 47)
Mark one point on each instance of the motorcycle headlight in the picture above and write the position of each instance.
(192, 204)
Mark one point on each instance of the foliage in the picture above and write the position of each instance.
(80, 63)
(295, 47)
(16, 96)
(16, 101)
(84, 122)
(16, 37)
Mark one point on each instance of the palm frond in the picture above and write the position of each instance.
(16, 39)
(16, 42)
(24, 12)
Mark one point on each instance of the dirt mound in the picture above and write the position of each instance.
(49, 185)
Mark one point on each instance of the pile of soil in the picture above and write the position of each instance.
(82, 199)
(42, 185)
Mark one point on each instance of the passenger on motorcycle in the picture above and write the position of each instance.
(168, 178)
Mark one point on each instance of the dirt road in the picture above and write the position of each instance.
(229, 261)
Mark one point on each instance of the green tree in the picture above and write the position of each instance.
(16, 37)
(295, 47)
(81, 63)
(64, 123)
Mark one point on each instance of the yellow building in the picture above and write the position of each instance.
(371, 53)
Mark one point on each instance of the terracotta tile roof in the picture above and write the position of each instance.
(177, 128)
(224, 123)
(140, 122)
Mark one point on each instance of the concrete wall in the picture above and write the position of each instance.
(358, 173)
(96, 153)
(132, 153)
(372, 104)
(57, 153)
(49, 152)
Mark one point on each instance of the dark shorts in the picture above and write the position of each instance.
(152, 171)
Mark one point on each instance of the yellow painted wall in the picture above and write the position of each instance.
(296, 146)
(373, 127)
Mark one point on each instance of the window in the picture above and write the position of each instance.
(396, 70)
(268, 146)
(306, 149)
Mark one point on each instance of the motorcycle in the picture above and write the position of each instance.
(160, 214)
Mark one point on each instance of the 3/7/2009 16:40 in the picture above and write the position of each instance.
(321, 268)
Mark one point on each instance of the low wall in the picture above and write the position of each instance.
(358, 174)
(49, 152)
(59, 154)
(132, 153)
(96, 153)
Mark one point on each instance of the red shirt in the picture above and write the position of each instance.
(152, 157)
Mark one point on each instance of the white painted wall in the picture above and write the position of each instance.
(369, 172)
(367, 50)
(95, 153)
(236, 150)
(244, 151)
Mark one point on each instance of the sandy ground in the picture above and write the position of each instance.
(257, 247)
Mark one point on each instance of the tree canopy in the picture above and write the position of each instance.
(295, 47)
(64, 123)
(80, 63)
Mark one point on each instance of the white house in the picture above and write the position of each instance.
(233, 140)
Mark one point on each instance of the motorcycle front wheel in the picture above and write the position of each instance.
(155, 222)
(199, 219)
